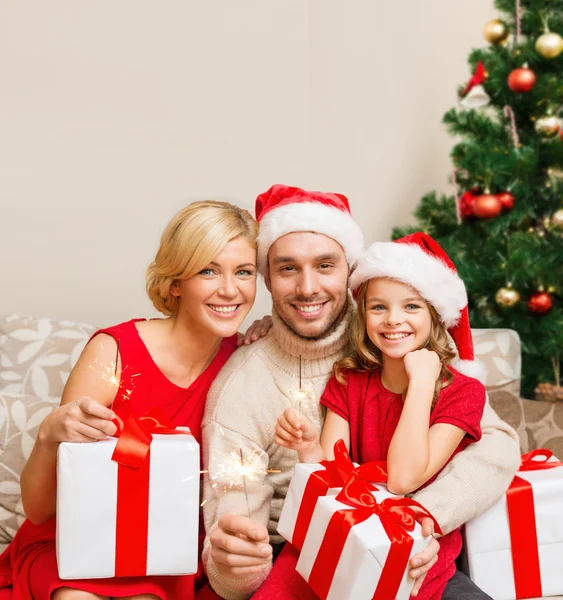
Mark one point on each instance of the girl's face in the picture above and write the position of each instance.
(220, 296)
(398, 320)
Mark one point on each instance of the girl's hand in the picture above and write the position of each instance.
(295, 432)
(423, 364)
(83, 420)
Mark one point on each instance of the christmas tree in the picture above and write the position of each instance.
(504, 226)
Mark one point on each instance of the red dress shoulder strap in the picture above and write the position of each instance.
(132, 352)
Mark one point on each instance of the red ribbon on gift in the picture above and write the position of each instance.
(132, 453)
(522, 524)
(529, 462)
(398, 517)
(335, 474)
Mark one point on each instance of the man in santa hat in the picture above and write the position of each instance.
(307, 247)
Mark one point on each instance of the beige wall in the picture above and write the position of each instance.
(113, 115)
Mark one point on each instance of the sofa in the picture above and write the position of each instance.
(37, 355)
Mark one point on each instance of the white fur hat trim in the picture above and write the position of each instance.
(433, 279)
(309, 216)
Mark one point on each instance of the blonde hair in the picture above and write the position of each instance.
(366, 356)
(191, 240)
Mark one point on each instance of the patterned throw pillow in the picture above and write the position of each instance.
(511, 410)
(20, 417)
(544, 424)
(500, 352)
(37, 355)
(538, 424)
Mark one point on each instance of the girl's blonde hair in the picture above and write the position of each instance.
(366, 356)
(191, 240)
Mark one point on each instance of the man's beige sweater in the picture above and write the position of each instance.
(255, 387)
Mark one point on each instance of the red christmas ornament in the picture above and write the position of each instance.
(540, 303)
(486, 206)
(466, 203)
(521, 80)
(506, 200)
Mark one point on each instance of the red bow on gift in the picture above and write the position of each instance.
(335, 474)
(397, 515)
(135, 436)
(522, 524)
(528, 461)
(132, 453)
(342, 467)
(478, 77)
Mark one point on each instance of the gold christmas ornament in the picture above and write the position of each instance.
(549, 45)
(496, 31)
(507, 297)
(557, 218)
(547, 126)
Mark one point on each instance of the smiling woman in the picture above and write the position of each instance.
(203, 279)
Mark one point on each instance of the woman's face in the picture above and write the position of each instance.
(398, 320)
(218, 298)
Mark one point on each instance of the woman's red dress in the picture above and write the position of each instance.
(29, 563)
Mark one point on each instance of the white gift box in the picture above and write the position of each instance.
(364, 553)
(295, 492)
(488, 544)
(87, 499)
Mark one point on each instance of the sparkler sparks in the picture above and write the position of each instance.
(234, 470)
(109, 375)
(301, 396)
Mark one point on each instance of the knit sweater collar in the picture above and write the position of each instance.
(324, 348)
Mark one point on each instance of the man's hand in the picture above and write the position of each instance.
(240, 547)
(422, 562)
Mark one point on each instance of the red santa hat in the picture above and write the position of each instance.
(419, 261)
(284, 209)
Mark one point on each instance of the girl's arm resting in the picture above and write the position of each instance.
(83, 416)
(335, 428)
(406, 477)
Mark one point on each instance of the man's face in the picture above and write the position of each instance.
(308, 279)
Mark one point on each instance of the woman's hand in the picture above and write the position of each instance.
(295, 431)
(423, 365)
(83, 420)
(258, 329)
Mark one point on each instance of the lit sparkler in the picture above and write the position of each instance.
(234, 470)
(109, 375)
(301, 396)
(243, 475)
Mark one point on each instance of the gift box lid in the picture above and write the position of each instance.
(490, 531)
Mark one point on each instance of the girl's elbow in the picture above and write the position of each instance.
(400, 485)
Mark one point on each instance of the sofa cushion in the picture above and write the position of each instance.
(538, 424)
(20, 417)
(510, 409)
(499, 351)
(37, 354)
(544, 425)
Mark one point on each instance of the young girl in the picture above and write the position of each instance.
(398, 397)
